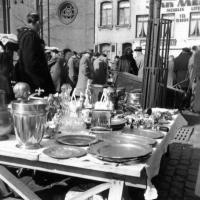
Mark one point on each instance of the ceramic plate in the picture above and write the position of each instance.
(61, 152)
(77, 140)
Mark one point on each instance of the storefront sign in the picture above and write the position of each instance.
(182, 8)
(177, 3)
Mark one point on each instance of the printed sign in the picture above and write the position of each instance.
(177, 3)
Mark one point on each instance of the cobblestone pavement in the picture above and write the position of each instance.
(179, 168)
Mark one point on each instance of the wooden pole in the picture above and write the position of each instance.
(41, 16)
(8, 16)
(48, 22)
(157, 8)
(151, 9)
(37, 6)
(4, 16)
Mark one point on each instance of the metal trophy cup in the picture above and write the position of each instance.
(29, 117)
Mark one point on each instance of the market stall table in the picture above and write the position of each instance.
(88, 167)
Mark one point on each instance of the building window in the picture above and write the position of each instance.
(170, 16)
(105, 48)
(106, 14)
(141, 26)
(194, 24)
(123, 13)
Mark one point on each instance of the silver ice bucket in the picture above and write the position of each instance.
(29, 118)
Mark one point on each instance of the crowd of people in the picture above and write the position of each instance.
(183, 73)
(50, 69)
(77, 68)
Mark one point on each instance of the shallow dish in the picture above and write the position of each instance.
(64, 152)
(119, 151)
(77, 140)
(126, 138)
(126, 160)
(148, 133)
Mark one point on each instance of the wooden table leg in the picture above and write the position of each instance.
(15, 184)
(116, 190)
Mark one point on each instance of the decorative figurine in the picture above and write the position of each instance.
(21, 91)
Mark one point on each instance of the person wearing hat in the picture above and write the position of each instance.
(139, 59)
(85, 72)
(33, 68)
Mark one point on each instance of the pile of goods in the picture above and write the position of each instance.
(148, 119)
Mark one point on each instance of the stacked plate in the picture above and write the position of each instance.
(148, 133)
(120, 152)
(126, 138)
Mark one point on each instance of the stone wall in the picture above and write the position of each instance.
(78, 35)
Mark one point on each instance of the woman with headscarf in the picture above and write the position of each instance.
(33, 67)
(127, 63)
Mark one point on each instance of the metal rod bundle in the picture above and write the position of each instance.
(156, 58)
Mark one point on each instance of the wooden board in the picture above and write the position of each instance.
(128, 81)
(14, 183)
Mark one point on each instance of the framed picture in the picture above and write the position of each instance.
(101, 118)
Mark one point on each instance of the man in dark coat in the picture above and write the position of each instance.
(127, 63)
(33, 68)
(181, 68)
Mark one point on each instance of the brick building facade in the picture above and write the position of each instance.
(71, 22)
(123, 23)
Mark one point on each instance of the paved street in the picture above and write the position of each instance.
(179, 168)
